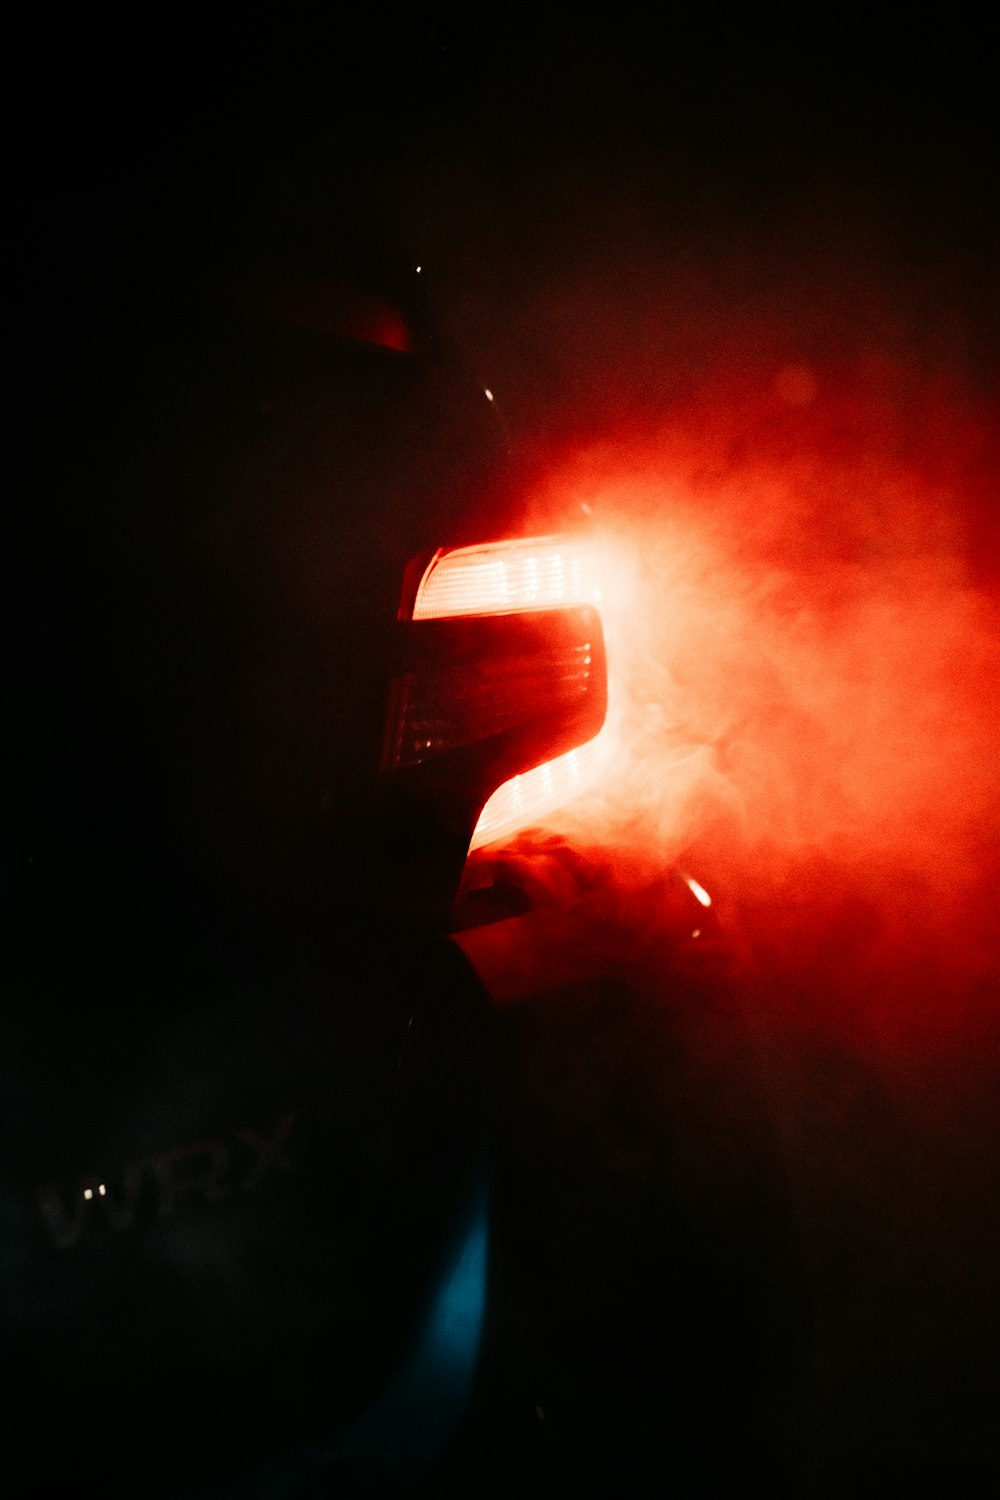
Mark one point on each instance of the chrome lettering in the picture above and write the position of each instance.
(268, 1151)
(202, 1169)
(117, 1206)
(198, 1168)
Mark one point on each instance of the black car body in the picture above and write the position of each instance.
(244, 1067)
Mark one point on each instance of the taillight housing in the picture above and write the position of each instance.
(500, 685)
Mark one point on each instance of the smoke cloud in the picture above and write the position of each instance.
(742, 305)
(787, 440)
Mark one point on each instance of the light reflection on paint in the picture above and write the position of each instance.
(404, 1432)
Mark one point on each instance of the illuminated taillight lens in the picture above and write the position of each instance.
(501, 683)
(527, 798)
(506, 577)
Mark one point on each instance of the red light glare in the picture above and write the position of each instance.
(801, 660)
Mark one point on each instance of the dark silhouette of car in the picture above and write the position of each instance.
(281, 653)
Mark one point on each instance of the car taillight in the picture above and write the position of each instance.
(501, 684)
(506, 577)
(525, 799)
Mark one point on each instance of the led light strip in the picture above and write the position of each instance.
(506, 578)
(526, 798)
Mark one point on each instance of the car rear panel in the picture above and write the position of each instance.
(240, 1081)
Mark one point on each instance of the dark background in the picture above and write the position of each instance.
(730, 1249)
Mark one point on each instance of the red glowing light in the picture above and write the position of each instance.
(325, 305)
(797, 584)
(527, 798)
(511, 577)
(506, 577)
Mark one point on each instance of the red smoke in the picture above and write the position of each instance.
(785, 425)
(802, 644)
(759, 343)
